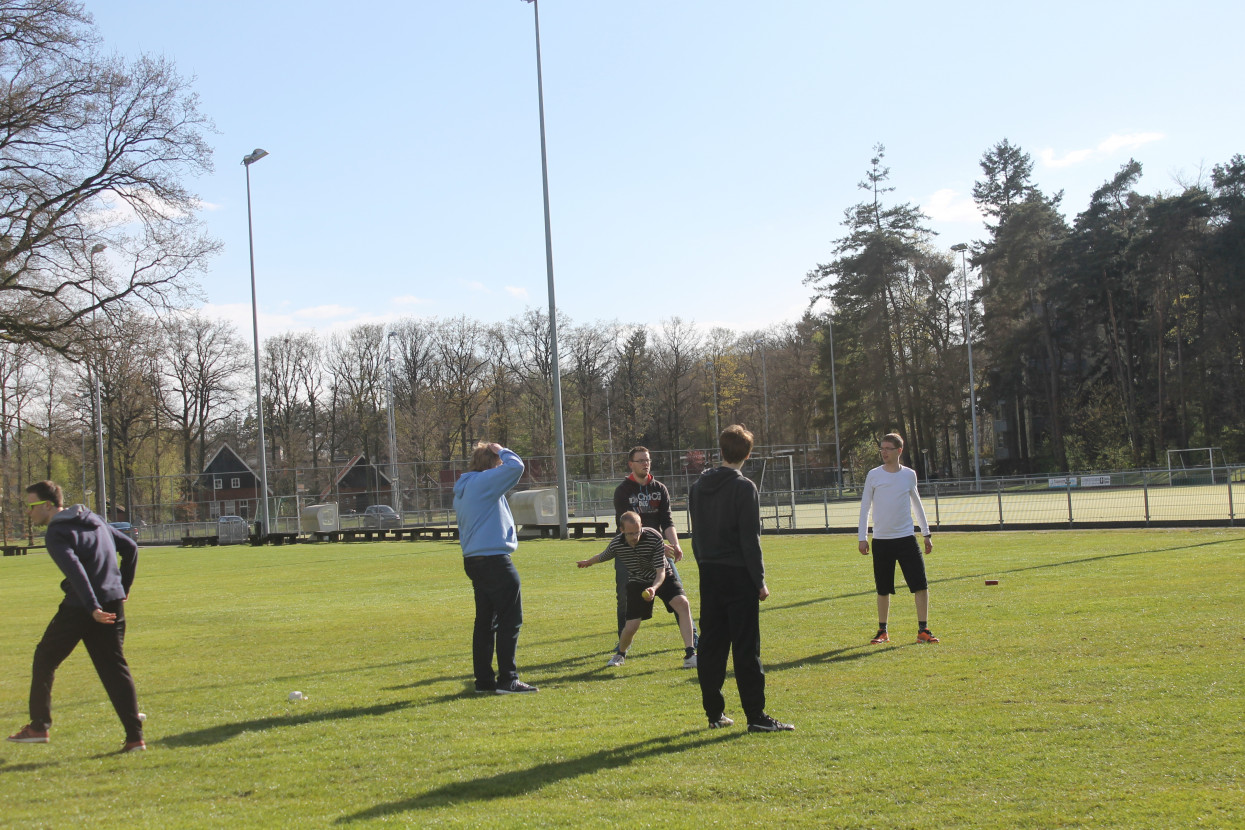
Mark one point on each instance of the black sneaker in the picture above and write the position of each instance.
(485, 690)
(516, 687)
(767, 724)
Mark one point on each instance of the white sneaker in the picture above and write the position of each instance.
(616, 660)
(689, 662)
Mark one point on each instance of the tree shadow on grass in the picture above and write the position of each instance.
(227, 731)
(520, 782)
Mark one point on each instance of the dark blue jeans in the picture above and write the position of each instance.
(730, 606)
(499, 614)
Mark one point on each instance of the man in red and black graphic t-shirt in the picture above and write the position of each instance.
(647, 496)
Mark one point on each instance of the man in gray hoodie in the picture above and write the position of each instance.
(726, 540)
(85, 548)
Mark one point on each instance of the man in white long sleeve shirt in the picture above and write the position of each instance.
(890, 490)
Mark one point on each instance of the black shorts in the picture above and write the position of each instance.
(638, 609)
(907, 552)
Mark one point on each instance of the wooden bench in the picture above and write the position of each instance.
(19, 550)
(576, 529)
(199, 541)
(419, 531)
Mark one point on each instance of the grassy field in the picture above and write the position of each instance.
(1100, 684)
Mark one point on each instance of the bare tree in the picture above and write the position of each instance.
(92, 152)
(203, 362)
(591, 348)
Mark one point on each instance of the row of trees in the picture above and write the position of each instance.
(1100, 343)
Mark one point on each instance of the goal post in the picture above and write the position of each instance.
(1193, 465)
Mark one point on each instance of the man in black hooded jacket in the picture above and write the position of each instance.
(85, 548)
(726, 540)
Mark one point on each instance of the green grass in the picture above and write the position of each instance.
(1099, 685)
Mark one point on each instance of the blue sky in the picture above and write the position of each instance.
(701, 154)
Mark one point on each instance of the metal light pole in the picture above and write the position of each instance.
(962, 249)
(101, 495)
(713, 370)
(559, 438)
(834, 396)
(393, 442)
(765, 391)
(247, 161)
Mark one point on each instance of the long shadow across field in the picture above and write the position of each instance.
(521, 781)
(226, 731)
(1044, 566)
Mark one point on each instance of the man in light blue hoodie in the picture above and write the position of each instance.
(487, 535)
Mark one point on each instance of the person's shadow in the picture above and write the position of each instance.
(518, 782)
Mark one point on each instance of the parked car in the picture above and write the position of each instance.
(381, 516)
(126, 528)
(232, 530)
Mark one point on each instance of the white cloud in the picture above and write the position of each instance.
(330, 311)
(517, 292)
(1070, 158)
(1118, 142)
(1105, 147)
(948, 205)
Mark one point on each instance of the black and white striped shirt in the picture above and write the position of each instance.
(641, 561)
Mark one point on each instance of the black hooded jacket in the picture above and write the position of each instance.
(726, 522)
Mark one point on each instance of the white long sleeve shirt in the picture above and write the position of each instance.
(894, 500)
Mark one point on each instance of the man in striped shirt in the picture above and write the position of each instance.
(642, 550)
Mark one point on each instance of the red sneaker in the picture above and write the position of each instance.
(134, 746)
(926, 636)
(879, 638)
(29, 735)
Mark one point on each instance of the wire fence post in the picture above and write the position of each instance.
(937, 509)
(1145, 495)
(825, 506)
(1231, 507)
(1068, 486)
(1000, 492)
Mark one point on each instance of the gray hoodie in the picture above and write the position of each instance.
(85, 548)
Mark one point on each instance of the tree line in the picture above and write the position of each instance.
(1100, 343)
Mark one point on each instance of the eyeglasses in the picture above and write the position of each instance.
(641, 461)
(31, 504)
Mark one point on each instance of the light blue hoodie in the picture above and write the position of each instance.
(485, 526)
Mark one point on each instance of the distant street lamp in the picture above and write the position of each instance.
(962, 250)
(834, 396)
(393, 442)
(101, 495)
(762, 344)
(559, 438)
(247, 161)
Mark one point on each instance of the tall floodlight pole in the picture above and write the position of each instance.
(834, 397)
(761, 344)
(101, 496)
(247, 161)
(559, 438)
(393, 441)
(962, 249)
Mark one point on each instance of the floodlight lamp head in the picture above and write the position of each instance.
(959, 247)
(255, 156)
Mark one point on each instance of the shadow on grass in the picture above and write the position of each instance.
(519, 782)
(838, 655)
(1044, 566)
(5, 766)
(227, 731)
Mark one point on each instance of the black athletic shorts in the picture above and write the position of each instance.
(638, 609)
(907, 552)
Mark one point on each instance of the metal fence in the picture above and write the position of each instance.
(1140, 498)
